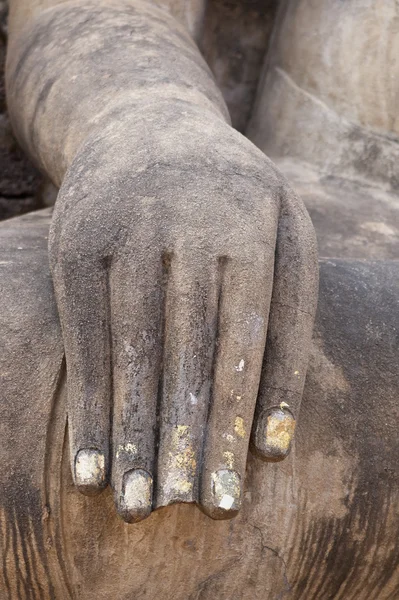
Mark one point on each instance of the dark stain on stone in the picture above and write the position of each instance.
(23, 540)
(333, 550)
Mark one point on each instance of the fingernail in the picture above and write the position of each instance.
(136, 500)
(89, 471)
(275, 433)
(177, 471)
(226, 491)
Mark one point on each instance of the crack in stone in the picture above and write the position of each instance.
(264, 546)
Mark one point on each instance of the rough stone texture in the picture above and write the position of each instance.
(352, 219)
(19, 181)
(176, 247)
(233, 36)
(320, 101)
(321, 524)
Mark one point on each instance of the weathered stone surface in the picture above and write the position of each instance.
(233, 37)
(176, 247)
(319, 99)
(352, 219)
(321, 524)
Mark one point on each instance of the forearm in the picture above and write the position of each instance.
(189, 12)
(77, 67)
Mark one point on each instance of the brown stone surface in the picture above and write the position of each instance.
(170, 179)
(321, 524)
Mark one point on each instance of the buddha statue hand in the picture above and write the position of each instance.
(184, 267)
(185, 274)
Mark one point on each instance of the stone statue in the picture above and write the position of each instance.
(172, 236)
(185, 279)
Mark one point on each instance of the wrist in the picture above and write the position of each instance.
(78, 66)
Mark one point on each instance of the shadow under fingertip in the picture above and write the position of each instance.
(218, 514)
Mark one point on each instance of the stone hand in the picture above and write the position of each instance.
(184, 267)
(171, 267)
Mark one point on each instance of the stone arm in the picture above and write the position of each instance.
(184, 267)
